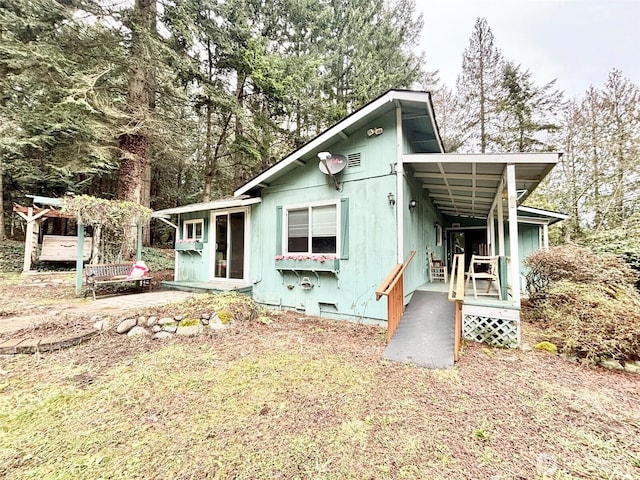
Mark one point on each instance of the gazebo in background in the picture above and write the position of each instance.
(77, 248)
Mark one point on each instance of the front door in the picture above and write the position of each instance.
(229, 238)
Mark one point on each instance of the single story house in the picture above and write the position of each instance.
(319, 230)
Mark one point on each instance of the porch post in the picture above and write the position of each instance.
(513, 234)
(79, 258)
(545, 236)
(501, 249)
(400, 206)
(491, 234)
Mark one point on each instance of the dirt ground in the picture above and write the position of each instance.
(307, 398)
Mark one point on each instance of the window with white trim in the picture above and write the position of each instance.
(193, 230)
(312, 229)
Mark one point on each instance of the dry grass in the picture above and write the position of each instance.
(308, 398)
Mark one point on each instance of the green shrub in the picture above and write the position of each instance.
(592, 321)
(158, 259)
(577, 264)
(11, 256)
(587, 301)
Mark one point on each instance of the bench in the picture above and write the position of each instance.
(111, 273)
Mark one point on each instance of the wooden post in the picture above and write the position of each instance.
(79, 258)
(514, 250)
(28, 242)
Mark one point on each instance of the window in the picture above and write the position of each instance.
(312, 229)
(438, 235)
(193, 230)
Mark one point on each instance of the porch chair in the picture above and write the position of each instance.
(484, 268)
(437, 270)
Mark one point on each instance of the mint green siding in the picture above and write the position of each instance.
(367, 231)
(193, 266)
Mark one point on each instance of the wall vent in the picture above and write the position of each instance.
(354, 160)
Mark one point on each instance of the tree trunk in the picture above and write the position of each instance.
(135, 166)
(2, 232)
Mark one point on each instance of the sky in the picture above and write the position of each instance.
(577, 42)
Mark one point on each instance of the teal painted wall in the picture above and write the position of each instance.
(528, 241)
(192, 266)
(419, 233)
(371, 229)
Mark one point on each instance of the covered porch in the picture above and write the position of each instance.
(480, 196)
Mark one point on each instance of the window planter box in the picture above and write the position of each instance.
(189, 247)
(308, 265)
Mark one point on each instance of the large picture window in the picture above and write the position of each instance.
(312, 229)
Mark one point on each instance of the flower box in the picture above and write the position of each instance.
(189, 246)
(308, 264)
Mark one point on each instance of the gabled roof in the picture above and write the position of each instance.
(417, 104)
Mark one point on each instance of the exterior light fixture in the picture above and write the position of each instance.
(392, 199)
(412, 205)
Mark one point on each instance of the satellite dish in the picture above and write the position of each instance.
(333, 165)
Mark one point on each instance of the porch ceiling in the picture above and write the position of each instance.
(467, 184)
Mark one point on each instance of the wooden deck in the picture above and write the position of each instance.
(491, 301)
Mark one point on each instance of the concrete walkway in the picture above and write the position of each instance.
(426, 332)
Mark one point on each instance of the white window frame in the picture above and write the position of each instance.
(247, 245)
(309, 206)
(185, 229)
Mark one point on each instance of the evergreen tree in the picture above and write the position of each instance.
(529, 114)
(479, 87)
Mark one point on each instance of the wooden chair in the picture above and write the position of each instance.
(437, 270)
(484, 268)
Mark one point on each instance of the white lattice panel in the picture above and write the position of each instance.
(489, 328)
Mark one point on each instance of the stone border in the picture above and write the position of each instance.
(166, 327)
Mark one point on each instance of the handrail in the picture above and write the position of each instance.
(457, 278)
(393, 288)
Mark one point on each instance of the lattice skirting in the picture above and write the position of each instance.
(499, 327)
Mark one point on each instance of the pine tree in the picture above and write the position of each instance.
(529, 114)
(479, 87)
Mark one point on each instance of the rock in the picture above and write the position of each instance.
(204, 316)
(156, 328)
(138, 332)
(189, 330)
(161, 335)
(525, 347)
(569, 357)
(125, 325)
(142, 320)
(170, 328)
(166, 321)
(151, 321)
(101, 325)
(205, 321)
(216, 324)
(178, 317)
(632, 367)
(611, 364)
